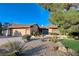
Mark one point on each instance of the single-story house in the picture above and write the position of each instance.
(20, 30)
(53, 29)
(43, 30)
(49, 29)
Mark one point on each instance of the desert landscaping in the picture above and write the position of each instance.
(35, 46)
(39, 29)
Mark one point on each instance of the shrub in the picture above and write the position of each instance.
(73, 44)
(27, 37)
(53, 39)
(53, 33)
(35, 33)
(12, 48)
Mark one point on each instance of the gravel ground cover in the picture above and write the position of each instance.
(36, 47)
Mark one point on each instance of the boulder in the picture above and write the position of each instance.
(62, 37)
(59, 44)
(32, 37)
(67, 51)
(60, 47)
(72, 52)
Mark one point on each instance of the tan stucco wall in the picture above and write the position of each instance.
(22, 31)
(50, 30)
(28, 31)
(53, 31)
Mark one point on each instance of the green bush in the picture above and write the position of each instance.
(53, 33)
(27, 37)
(73, 44)
(35, 33)
(53, 39)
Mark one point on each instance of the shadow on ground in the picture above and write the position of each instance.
(33, 51)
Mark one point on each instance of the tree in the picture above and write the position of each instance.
(56, 13)
(71, 21)
(1, 28)
(67, 21)
(5, 25)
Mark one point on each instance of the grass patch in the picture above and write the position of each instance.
(73, 44)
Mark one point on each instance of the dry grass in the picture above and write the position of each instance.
(9, 48)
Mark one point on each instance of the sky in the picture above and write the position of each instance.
(23, 13)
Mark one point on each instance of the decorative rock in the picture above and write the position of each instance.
(32, 37)
(59, 44)
(72, 52)
(60, 47)
(62, 37)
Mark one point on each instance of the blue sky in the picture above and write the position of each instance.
(23, 13)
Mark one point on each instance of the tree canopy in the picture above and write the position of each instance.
(71, 21)
(64, 16)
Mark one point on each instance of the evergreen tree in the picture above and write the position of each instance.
(1, 28)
